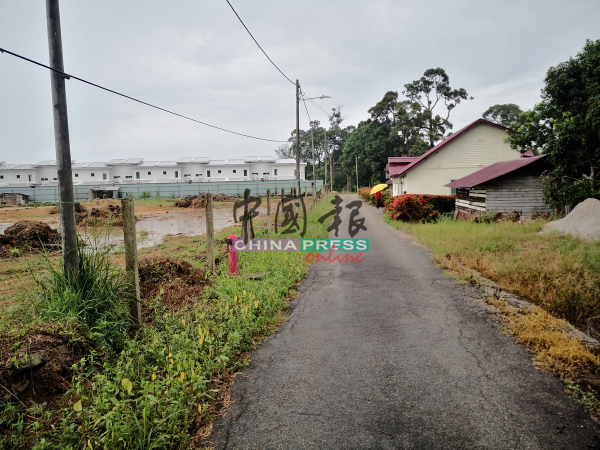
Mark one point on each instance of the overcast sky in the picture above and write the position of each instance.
(195, 58)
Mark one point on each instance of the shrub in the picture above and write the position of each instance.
(419, 208)
(145, 195)
(365, 194)
(97, 300)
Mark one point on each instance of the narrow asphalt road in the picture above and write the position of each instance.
(388, 353)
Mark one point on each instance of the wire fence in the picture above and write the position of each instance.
(50, 194)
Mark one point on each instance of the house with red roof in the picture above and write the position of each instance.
(470, 149)
(508, 187)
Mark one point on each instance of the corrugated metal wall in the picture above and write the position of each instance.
(49, 194)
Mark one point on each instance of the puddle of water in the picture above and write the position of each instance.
(152, 229)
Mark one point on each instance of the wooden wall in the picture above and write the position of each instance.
(518, 191)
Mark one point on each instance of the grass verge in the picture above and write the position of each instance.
(163, 388)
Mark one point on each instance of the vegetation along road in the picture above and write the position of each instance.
(389, 353)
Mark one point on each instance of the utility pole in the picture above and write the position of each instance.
(68, 227)
(325, 158)
(312, 143)
(298, 144)
(356, 173)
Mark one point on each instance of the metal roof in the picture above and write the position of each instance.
(492, 172)
(236, 162)
(217, 162)
(115, 162)
(401, 170)
(48, 162)
(194, 159)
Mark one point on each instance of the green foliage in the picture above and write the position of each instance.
(96, 300)
(503, 115)
(145, 195)
(430, 91)
(167, 376)
(565, 126)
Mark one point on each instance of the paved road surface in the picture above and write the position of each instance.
(389, 353)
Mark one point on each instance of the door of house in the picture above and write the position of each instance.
(137, 175)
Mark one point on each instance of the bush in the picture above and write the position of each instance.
(419, 208)
(365, 194)
(97, 300)
(145, 195)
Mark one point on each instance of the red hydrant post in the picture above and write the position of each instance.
(233, 269)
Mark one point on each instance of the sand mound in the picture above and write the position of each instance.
(583, 222)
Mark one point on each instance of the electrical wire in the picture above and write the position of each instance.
(261, 49)
(68, 76)
(316, 105)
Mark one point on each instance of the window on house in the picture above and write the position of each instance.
(137, 176)
(219, 171)
(76, 174)
(164, 172)
(116, 177)
(275, 172)
(1, 177)
(128, 177)
(452, 190)
(43, 179)
(187, 175)
(54, 179)
(177, 174)
(245, 172)
(92, 174)
(18, 176)
(294, 172)
(104, 176)
(198, 174)
(149, 173)
(234, 171)
(29, 178)
(208, 174)
(265, 173)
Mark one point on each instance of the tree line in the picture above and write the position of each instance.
(565, 125)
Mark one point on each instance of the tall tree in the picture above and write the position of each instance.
(566, 127)
(433, 91)
(369, 144)
(503, 114)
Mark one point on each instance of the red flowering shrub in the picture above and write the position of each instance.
(365, 194)
(419, 208)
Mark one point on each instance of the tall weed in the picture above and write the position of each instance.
(96, 300)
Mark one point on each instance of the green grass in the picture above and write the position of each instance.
(168, 375)
(559, 272)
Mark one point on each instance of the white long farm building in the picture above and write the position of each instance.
(138, 170)
(139, 178)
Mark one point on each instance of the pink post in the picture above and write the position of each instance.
(233, 269)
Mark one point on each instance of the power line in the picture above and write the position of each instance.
(261, 49)
(319, 107)
(67, 76)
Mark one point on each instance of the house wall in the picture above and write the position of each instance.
(85, 174)
(10, 175)
(196, 170)
(518, 191)
(156, 172)
(47, 172)
(477, 148)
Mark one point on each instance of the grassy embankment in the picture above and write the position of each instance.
(559, 273)
(164, 384)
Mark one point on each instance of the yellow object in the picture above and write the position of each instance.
(379, 187)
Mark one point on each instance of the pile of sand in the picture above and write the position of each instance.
(583, 222)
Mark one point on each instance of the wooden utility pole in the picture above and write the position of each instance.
(68, 227)
(356, 173)
(298, 190)
(131, 260)
(269, 210)
(210, 233)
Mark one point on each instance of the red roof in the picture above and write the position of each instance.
(401, 159)
(401, 170)
(491, 172)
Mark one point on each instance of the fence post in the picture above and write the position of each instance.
(210, 236)
(131, 260)
(314, 193)
(269, 211)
